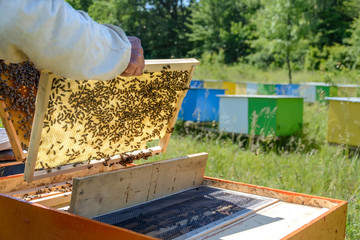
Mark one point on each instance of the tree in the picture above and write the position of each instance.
(222, 25)
(282, 33)
(160, 24)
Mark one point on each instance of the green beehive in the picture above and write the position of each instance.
(267, 89)
(261, 115)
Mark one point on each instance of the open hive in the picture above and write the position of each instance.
(18, 88)
(86, 121)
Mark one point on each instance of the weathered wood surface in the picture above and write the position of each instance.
(17, 183)
(95, 195)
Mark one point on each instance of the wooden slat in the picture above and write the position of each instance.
(16, 183)
(11, 132)
(81, 166)
(42, 101)
(31, 221)
(55, 200)
(156, 65)
(95, 195)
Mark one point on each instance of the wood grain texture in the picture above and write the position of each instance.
(95, 195)
(330, 225)
(41, 104)
(179, 64)
(32, 221)
(16, 183)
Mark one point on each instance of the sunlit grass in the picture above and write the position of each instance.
(314, 167)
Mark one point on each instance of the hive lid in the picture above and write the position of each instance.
(258, 96)
(81, 123)
(344, 99)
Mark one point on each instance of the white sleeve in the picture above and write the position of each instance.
(58, 38)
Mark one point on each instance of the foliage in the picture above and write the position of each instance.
(282, 30)
(222, 26)
(292, 34)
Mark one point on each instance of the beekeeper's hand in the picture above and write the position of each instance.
(137, 62)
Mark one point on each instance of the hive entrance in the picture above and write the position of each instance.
(78, 123)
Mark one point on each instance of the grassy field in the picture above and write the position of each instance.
(247, 73)
(305, 164)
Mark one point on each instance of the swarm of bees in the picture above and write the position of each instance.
(89, 119)
(67, 187)
(18, 88)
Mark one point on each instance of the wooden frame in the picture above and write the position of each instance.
(41, 106)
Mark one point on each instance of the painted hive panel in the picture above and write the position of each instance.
(18, 88)
(92, 119)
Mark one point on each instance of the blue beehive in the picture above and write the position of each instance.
(288, 89)
(197, 84)
(200, 105)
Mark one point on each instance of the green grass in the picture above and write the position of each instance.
(246, 73)
(311, 167)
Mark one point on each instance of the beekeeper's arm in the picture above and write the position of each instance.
(67, 42)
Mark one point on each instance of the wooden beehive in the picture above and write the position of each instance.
(343, 121)
(261, 115)
(169, 199)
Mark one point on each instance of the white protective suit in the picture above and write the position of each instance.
(58, 38)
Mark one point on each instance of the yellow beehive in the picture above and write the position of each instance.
(230, 88)
(213, 84)
(344, 121)
(240, 89)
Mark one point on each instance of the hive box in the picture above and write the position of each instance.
(266, 89)
(240, 88)
(261, 115)
(213, 84)
(201, 105)
(287, 89)
(317, 92)
(344, 121)
(347, 90)
(230, 88)
(251, 88)
(168, 199)
(196, 84)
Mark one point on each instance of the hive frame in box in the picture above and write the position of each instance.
(42, 100)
